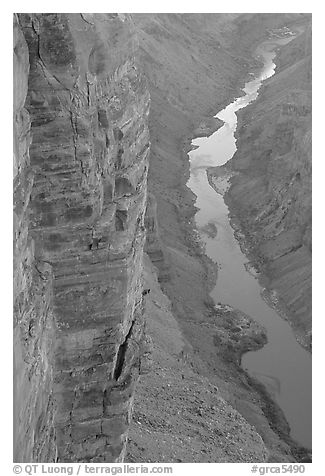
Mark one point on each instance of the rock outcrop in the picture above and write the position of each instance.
(81, 160)
(270, 193)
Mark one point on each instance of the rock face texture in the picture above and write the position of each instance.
(34, 324)
(80, 167)
(271, 190)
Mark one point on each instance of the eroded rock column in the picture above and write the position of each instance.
(88, 106)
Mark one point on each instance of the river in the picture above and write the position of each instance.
(282, 364)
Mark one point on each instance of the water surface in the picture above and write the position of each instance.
(282, 364)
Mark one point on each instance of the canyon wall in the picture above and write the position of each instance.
(34, 325)
(81, 147)
(195, 63)
(270, 193)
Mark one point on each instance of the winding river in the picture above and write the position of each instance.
(282, 364)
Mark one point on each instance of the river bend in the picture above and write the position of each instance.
(282, 364)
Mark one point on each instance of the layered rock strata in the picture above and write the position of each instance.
(81, 164)
(34, 325)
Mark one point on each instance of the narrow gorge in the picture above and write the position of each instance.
(120, 353)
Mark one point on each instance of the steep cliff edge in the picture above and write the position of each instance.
(34, 324)
(270, 193)
(81, 160)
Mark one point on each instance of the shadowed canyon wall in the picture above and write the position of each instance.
(80, 172)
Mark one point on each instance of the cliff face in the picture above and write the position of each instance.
(33, 294)
(81, 159)
(271, 191)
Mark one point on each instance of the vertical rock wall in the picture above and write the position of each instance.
(80, 201)
(33, 294)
